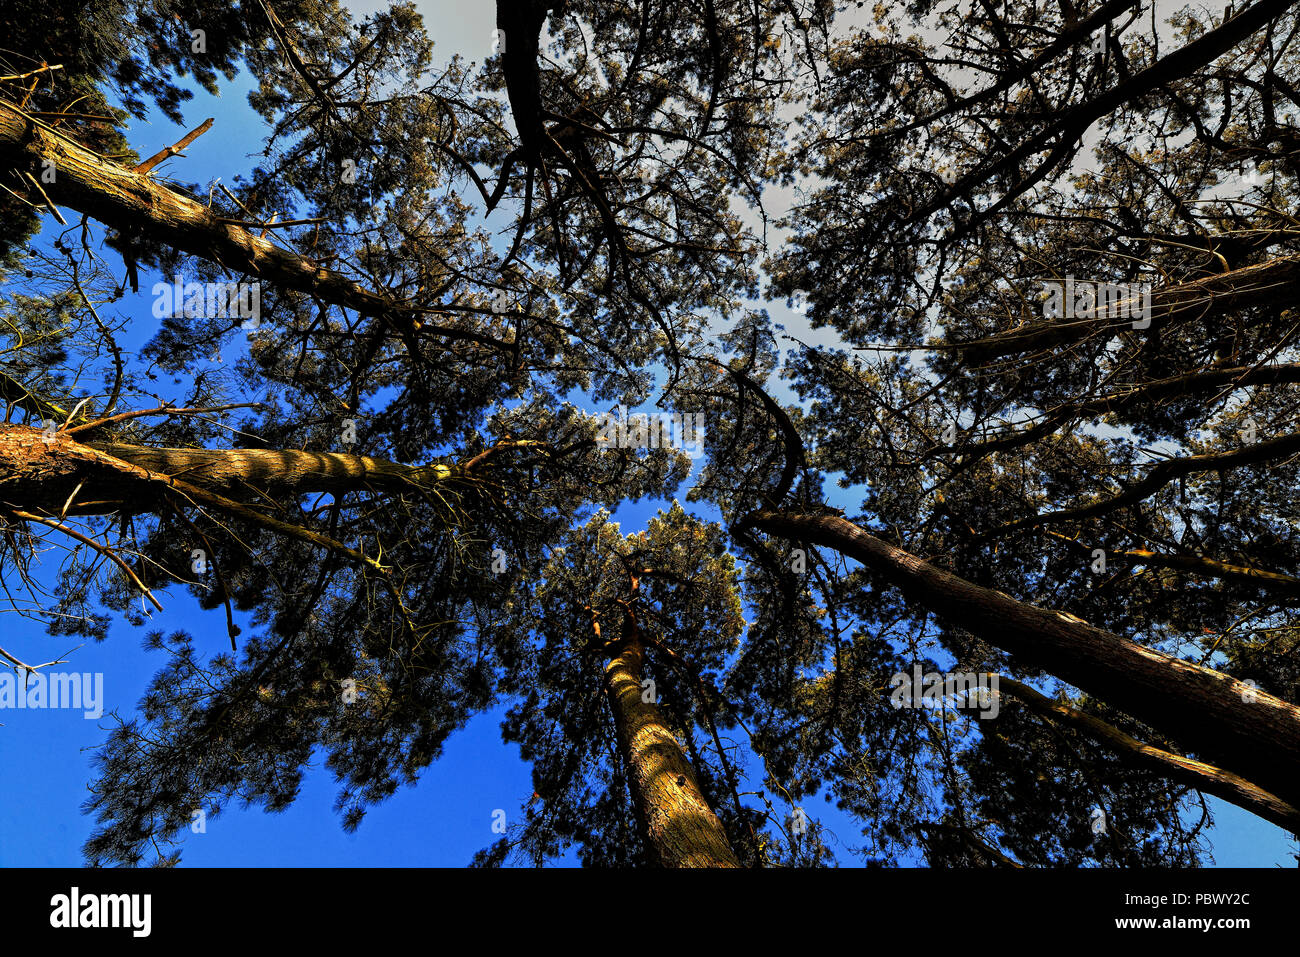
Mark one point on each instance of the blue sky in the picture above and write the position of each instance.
(46, 755)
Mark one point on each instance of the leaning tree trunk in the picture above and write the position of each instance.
(57, 475)
(55, 472)
(1243, 729)
(677, 824)
(131, 202)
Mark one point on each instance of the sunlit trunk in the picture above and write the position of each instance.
(677, 824)
(48, 472)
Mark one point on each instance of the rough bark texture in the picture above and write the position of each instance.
(275, 470)
(677, 823)
(39, 472)
(1240, 728)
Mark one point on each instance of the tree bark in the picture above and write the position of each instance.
(677, 824)
(1273, 281)
(40, 472)
(1237, 726)
(131, 202)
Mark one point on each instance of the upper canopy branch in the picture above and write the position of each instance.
(131, 202)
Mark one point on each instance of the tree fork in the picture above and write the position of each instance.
(1197, 774)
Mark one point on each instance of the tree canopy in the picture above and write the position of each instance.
(1035, 424)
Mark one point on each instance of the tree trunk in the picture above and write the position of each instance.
(1272, 281)
(1197, 774)
(132, 203)
(677, 824)
(42, 473)
(1237, 726)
